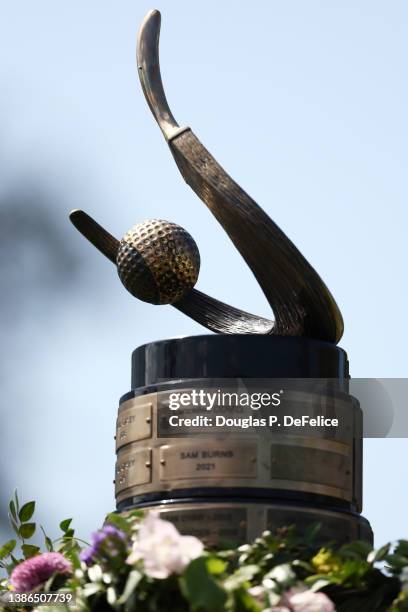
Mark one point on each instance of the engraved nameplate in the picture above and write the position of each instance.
(134, 423)
(311, 465)
(132, 469)
(205, 460)
(210, 524)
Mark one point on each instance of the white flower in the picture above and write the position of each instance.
(305, 600)
(162, 548)
(95, 573)
(282, 573)
(281, 576)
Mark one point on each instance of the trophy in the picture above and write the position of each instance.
(228, 470)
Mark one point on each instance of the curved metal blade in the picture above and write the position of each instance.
(220, 317)
(107, 244)
(301, 302)
(150, 77)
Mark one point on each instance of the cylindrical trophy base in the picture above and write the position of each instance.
(240, 522)
(231, 436)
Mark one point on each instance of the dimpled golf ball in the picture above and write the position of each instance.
(158, 261)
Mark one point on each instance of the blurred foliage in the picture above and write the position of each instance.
(35, 256)
(275, 572)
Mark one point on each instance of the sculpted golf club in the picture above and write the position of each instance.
(275, 438)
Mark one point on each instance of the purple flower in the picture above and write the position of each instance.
(108, 541)
(35, 571)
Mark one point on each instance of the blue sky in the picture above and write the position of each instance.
(304, 103)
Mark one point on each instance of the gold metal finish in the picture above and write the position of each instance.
(208, 460)
(158, 261)
(321, 462)
(134, 423)
(150, 76)
(133, 468)
(107, 244)
(333, 470)
(213, 314)
(238, 523)
(301, 302)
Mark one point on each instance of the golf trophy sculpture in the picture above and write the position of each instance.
(230, 483)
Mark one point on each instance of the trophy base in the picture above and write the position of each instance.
(227, 486)
(230, 524)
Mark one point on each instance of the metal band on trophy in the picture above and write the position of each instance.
(226, 482)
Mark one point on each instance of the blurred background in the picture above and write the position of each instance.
(304, 103)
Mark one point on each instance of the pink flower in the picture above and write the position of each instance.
(162, 548)
(35, 571)
(305, 600)
(258, 593)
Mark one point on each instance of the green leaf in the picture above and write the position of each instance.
(57, 608)
(397, 561)
(242, 575)
(402, 548)
(7, 549)
(328, 578)
(27, 530)
(16, 528)
(244, 602)
(320, 584)
(12, 508)
(48, 542)
(200, 588)
(380, 554)
(356, 550)
(135, 514)
(215, 565)
(29, 550)
(16, 501)
(26, 511)
(118, 521)
(13, 563)
(73, 556)
(311, 532)
(64, 525)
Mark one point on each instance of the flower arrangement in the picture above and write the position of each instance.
(141, 562)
